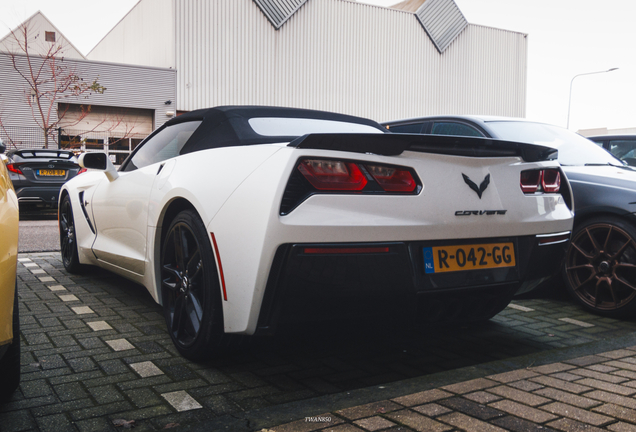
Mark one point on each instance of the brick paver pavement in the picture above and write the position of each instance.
(589, 393)
(96, 357)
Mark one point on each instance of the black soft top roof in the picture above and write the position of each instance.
(227, 126)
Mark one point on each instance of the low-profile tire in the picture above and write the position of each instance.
(600, 267)
(68, 239)
(190, 289)
(10, 361)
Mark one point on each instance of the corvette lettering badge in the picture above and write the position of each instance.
(480, 212)
(482, 187)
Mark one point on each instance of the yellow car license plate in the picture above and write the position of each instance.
(49, 172)
(442, 259)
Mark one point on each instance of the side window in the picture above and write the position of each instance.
(457, 129)
(164, 145)
(407, 128)
(622, 148)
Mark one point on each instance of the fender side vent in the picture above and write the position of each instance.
(81, 198)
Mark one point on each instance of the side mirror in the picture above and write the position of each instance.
(99, 161)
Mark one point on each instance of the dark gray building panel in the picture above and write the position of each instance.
(279, 11)
(442, 20)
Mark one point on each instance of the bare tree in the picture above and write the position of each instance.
(51, 82)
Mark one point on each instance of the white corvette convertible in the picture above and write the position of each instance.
(239, 218)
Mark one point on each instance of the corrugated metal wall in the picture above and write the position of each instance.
(343, 56)
(14, 108)
(127, 86)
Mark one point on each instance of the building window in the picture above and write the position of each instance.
(49, 36)
(70, 142)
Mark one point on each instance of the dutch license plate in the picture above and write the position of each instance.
(49, 172)
(441, 259)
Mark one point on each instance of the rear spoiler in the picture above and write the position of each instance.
(52, 153)
(395, 144)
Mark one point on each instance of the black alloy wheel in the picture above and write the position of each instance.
(600, 268)
(68, 239)
(190, 289)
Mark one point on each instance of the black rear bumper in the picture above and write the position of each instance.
(38, 195)
(313, 282)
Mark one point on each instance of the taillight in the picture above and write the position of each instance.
(83, 170)
(313, 175)
(333, 175)
(551, 181)
(392, 179)
(530, 181)
(546, 180)
(14, 168)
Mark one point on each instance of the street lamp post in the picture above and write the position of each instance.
(570, 97)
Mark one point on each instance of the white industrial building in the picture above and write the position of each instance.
(417, 58)
(420, 57)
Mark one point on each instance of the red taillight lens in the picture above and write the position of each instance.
(392, 179)
(547, 181)
(333, 175)
(14, 168)
(551, 181)
(83, 170)
(313, 176)
(530, 181)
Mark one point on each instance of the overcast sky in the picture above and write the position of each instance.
(566, 38)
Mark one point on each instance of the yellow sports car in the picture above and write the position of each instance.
(9, 323)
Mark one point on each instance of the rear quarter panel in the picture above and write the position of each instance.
(205, 179)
